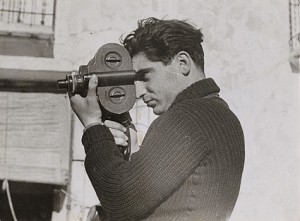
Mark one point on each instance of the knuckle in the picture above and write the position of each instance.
(108, 123)
(119, 141)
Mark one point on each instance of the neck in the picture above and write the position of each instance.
(196, 74)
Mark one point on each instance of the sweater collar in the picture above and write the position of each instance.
(198, 89)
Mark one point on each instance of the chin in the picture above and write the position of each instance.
(158, 111)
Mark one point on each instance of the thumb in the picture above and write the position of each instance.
(93, 83)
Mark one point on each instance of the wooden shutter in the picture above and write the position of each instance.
(35, 137)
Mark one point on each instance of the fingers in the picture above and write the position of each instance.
(92, 214)
(118, 132)
(134, 141)
(121, 142)
(114, 125)
(87, 108)
(76, 101)
(75, 98)
(93, 83)
(120, 137)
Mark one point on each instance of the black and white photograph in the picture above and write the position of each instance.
(149, 110)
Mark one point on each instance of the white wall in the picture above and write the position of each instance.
(246, 51)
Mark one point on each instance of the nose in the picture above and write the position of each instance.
(140, 89)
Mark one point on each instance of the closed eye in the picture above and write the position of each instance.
(143, 74)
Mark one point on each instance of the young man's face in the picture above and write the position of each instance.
(157, 83)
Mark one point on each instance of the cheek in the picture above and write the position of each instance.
(161, 88)
(165, 97)
(153, 87)
(170, 94)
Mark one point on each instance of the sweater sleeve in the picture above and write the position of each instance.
(174, 145)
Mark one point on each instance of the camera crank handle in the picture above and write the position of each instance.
(125, 120)
(126, 150)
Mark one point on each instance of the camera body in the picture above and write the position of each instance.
(113, 67)
(116, 90)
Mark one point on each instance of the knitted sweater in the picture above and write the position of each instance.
(189, 166)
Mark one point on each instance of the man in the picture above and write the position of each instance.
(190, 163)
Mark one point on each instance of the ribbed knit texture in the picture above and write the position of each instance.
(189, 166)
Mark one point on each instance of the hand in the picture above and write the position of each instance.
(93, 214)
(119, 133)
(87, 109)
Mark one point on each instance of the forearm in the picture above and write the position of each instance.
(109, 175)
(137, 187)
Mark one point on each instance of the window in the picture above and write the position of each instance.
(294, 11)
(28, 27)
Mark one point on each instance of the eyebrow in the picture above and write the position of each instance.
(140, 73)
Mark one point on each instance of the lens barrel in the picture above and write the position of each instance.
(62, 84)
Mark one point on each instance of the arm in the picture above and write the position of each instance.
(133, 189)
(129, 190)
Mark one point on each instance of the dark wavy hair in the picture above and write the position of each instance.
(161, 40)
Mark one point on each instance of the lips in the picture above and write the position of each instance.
(150, 103)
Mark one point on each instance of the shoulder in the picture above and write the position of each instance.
(183, 117)
(213, 109)
(200, 108)
(199, 115)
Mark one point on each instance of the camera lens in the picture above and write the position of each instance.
(62, 84)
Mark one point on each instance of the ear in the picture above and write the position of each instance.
(184, 62)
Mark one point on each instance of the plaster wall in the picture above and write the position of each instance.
(246, 52)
